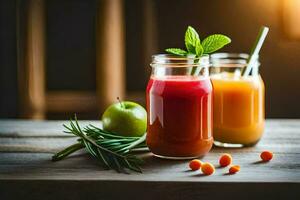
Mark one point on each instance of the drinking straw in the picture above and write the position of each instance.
(256, 48)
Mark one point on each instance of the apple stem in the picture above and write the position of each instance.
(122, 105)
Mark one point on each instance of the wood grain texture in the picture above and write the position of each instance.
(80, 177)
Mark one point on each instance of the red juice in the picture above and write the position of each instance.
(179, 116)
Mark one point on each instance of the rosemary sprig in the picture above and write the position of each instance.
(112, 151)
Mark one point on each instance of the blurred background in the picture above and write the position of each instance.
(60, 57)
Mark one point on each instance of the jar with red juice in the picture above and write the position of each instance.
(179, 107)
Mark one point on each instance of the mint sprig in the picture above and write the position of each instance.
(199, 48)
(176, 51)
(215, 42)
(191, 40)
(194, 45)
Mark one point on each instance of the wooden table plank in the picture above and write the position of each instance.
(39, 166)
(28, 128)
(33, 171)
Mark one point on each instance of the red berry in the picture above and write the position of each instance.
(225, 160)
(266, 155)
(207, 168)
(195, 164)
(234, 169)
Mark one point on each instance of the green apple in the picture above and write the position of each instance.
(125, 118)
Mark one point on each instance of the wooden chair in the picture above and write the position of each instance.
(35, 101)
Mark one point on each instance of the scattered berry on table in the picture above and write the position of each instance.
(207, 168)
(195, 164)
(266, 155)
(234, 169)
(225, 160)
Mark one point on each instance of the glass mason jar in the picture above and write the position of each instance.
(238, 101)
(179, 101)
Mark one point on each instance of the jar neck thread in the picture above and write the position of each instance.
(232, 62)
(172, 65)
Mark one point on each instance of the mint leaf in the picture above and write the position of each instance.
(199, 49)
(176, 51)
(214, 42)
(191, 38)
(194, 45)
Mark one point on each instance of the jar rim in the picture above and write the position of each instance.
(169, 60)
(222, 55)
(224, 59)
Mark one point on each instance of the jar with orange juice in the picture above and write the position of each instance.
(238, 101)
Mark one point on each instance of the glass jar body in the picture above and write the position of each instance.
(238, 103)
(179, 106)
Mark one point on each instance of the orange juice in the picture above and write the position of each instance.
(238, 100)
(238, 109)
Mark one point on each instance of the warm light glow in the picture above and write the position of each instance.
(291, 17)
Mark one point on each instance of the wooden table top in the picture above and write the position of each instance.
(26, 169)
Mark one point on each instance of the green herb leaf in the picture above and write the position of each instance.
(191, 39)
(214, 42)
(199, 49)
(176, 51)
(112, 151)
(194, 46)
